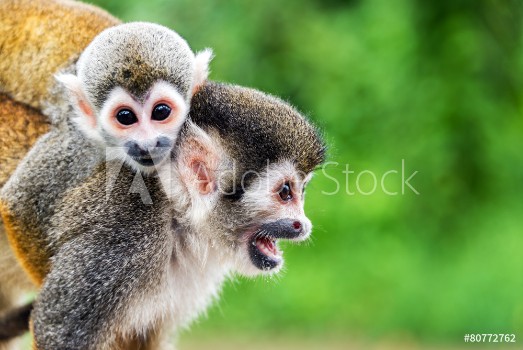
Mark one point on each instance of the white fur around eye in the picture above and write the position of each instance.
(261, 196)
(163, 92)
(116, 99)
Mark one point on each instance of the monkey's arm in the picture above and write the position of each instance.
(116, 253)
(58, 161)
(90, 290)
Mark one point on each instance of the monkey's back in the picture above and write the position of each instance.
(59, 160)
(38, 38)
(20, 127)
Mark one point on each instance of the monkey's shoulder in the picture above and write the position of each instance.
(113, 202)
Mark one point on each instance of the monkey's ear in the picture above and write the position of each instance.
(198, 161)
(79, 100)
(201, 71)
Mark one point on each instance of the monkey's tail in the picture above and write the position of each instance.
(15, 322)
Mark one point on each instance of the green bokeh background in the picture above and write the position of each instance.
(435, 84)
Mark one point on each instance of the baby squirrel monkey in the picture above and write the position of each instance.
(132, 91)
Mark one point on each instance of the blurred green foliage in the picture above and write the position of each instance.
(437, 84)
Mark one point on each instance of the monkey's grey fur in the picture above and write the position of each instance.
(139, 54)
(111, 252)
(122, 269)
(258, 128)
(59, 160)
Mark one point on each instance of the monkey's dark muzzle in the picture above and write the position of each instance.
(149, 156)
(263, 251)
(148, 160)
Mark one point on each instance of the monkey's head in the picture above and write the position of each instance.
(242, 165)
(133, 89)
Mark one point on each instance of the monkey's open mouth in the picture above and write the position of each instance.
(264, 253)
(263, 249)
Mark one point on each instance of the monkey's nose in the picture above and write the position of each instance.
(135, 150)
(294, 226)
(284, 228)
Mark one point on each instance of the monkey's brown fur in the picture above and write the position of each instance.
(51, 34)
(26, 247)
(20, 126)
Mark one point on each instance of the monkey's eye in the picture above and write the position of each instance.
(126, 117)
(161, 112)
(285, 192)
